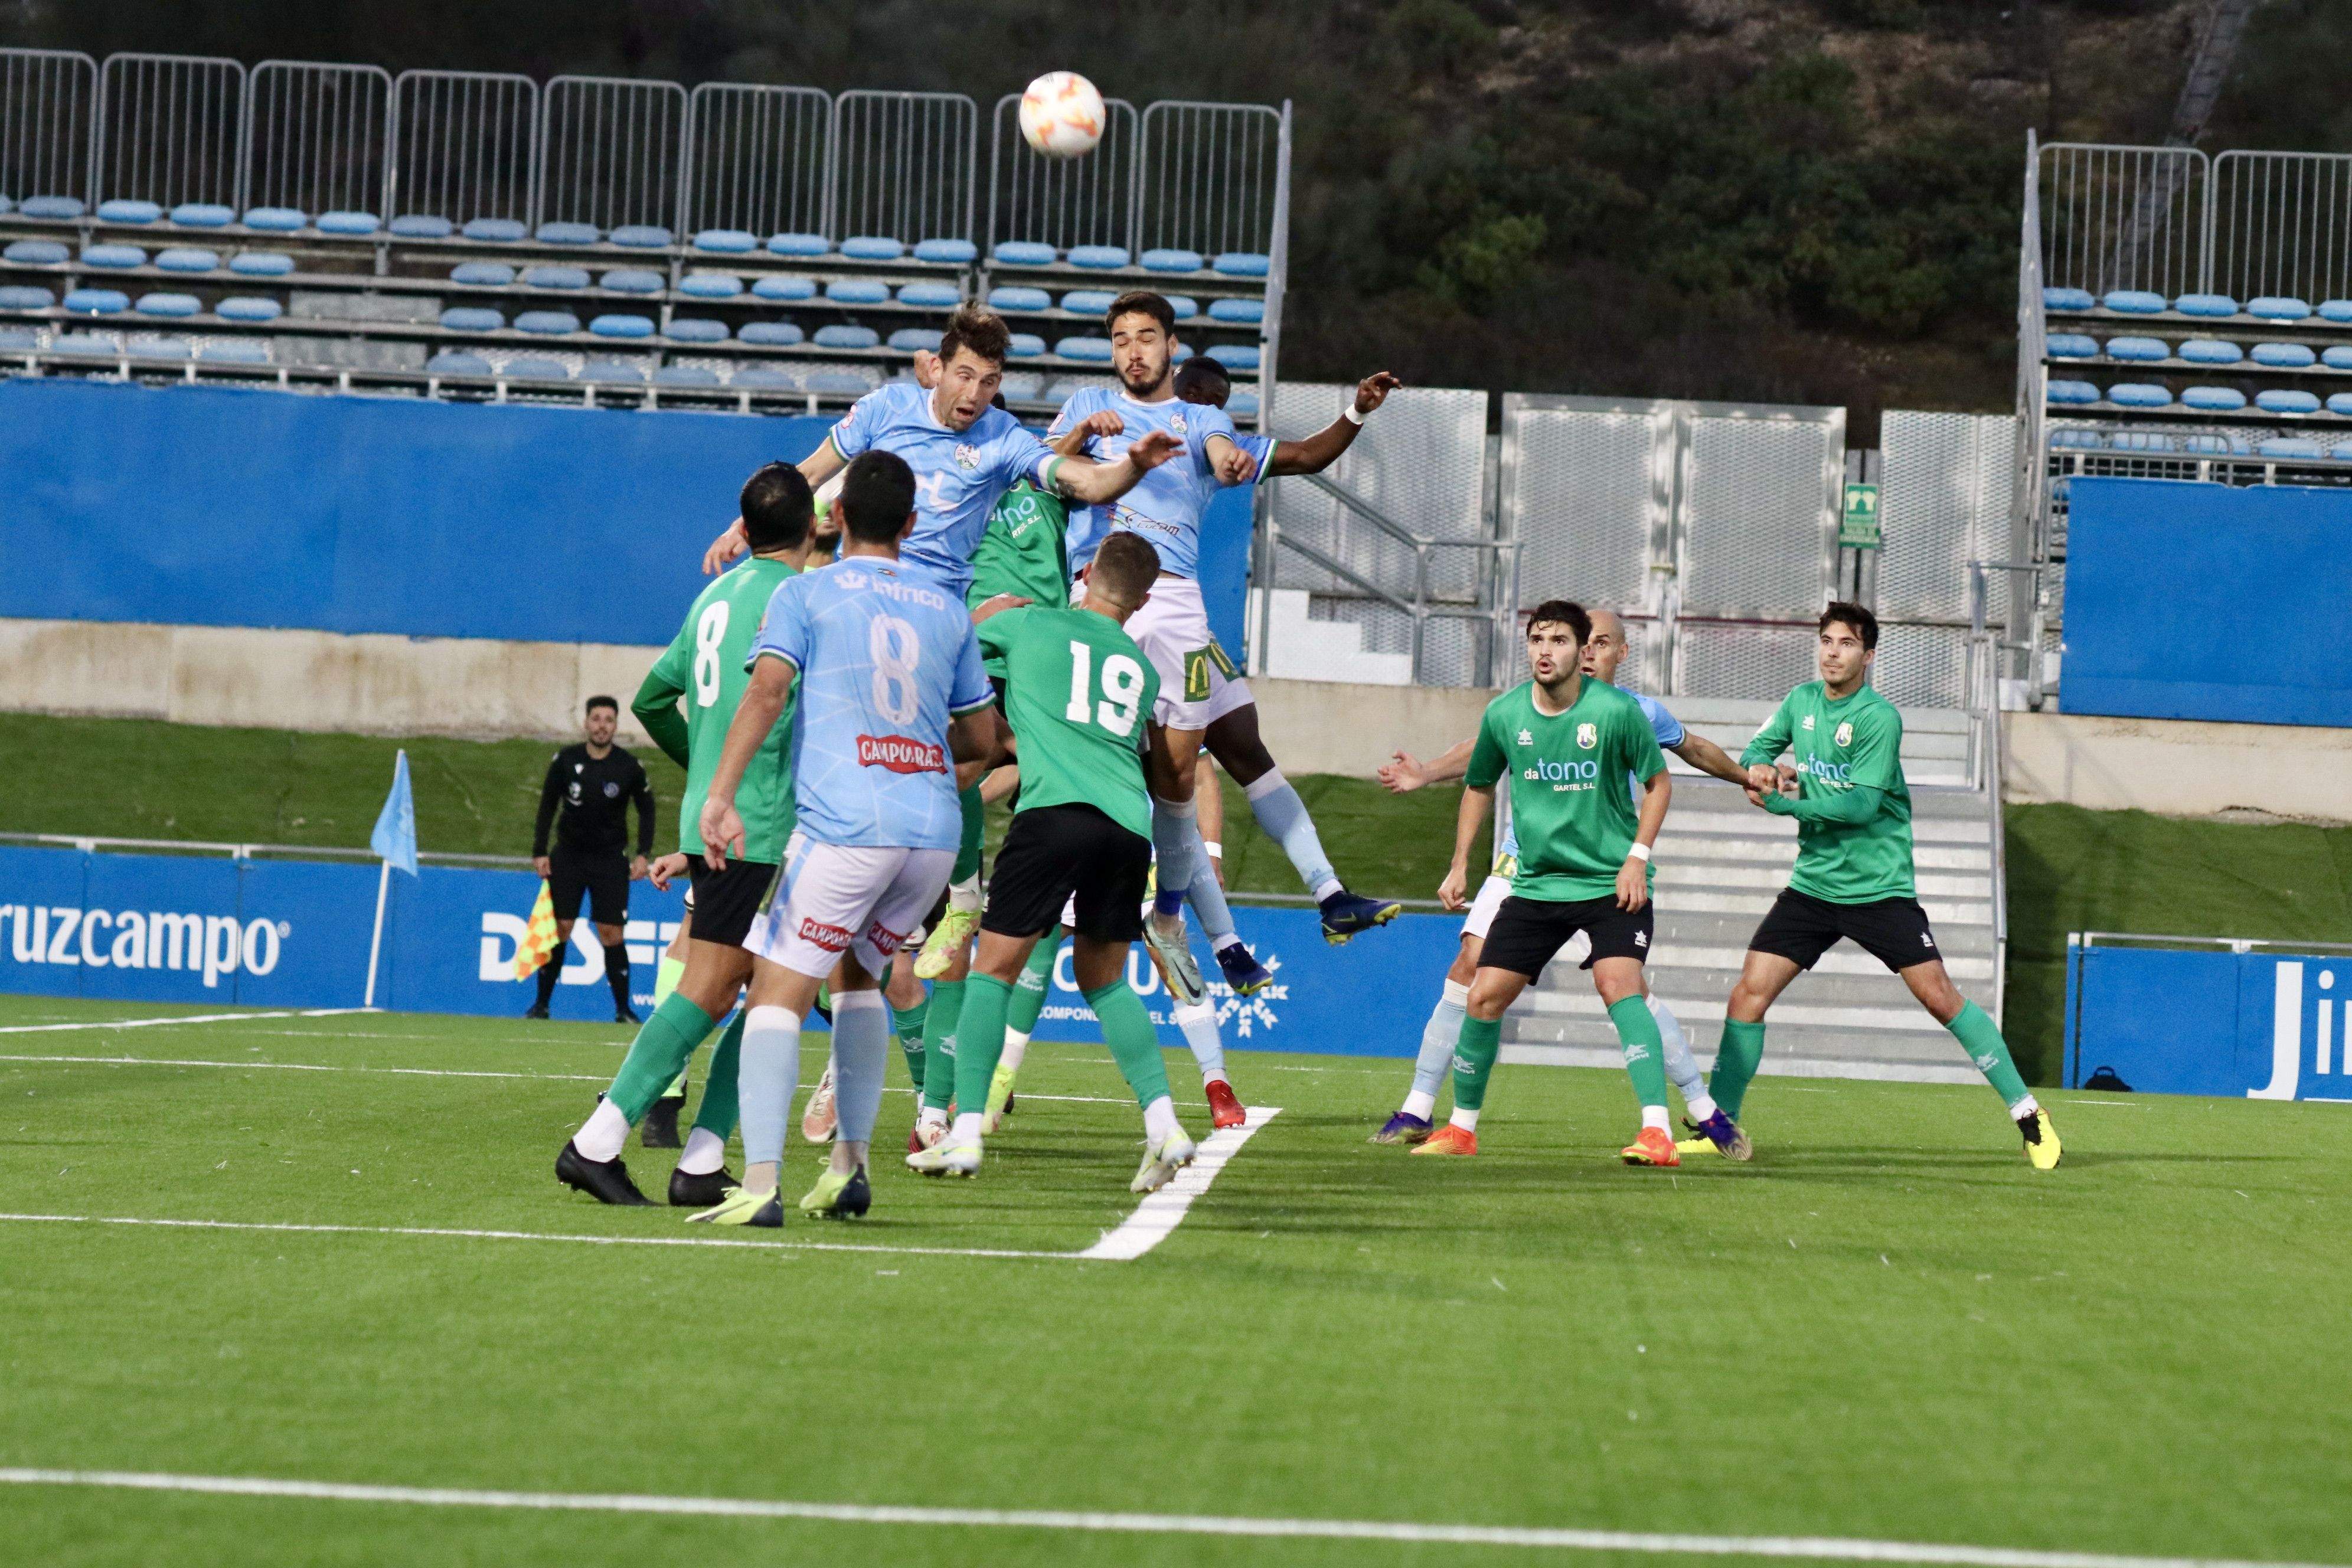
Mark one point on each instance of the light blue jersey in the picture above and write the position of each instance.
(883, 657)
(959, 475)
(1166, 505)
(1662, 724)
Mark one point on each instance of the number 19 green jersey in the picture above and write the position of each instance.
(704, 664)
(1080, 693)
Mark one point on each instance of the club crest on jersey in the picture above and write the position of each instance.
(1587, 736)
(967, 456)
(1846, 735)
(1176, 423)
(900, 754)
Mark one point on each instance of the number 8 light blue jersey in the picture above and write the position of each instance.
(884, 658)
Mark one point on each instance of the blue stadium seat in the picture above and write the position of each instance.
(837, 384)
(2337, 311)
(1087, 301)
(1026, 345)
(2134, 351)
(494, 230)
(456, 362)
(930, 295)
(727, 241)
(1236, 356)
(2340, 403)
(1245, 264)
(2278, 308)
(764, 378)
(276, 220)
(2073, 439)
(2139, 394)
(2071, 346)
(97, 301)
(772, 334)
(711, 286)
(1026, 253)
(187, 258)
(2140, 441)
(113, 257)
(2134, 302)
(14, 340)
(7, 205)
(1014, 297)
(2210, 305)
(1181, 353)
(1169, 259)
(482, 274)
(555, 277)
(252, 308)
(36, 253)
(25, 297)
(1242, 405)
(59, 208)
(621, 326)
(798, 245)
(1098, 258)
(685, 376)
(2291, 446)
(694, 330)
(1184, 306)
(2283, 400)
(2212, 446)
(236, 351)
(568, 234)
(121, 210)
(152, 346)
(2067, 391)
(102, 344)
(633, 280)
(1091, 350)
(2212, 399)
(548, 323)
(781, 287)
(839, 336)
(872, 248)
(2212, 350)
(167, 304)
(260, 263)
(613, 370)
(2067, 299)
(2337, 358)
(349, 224)
(473, 318)
(858, 292)
(2284, 356)
(643, 237)
(530, 368)
(420, 225)
(1019, 387)
(912, 340)
(947, 252)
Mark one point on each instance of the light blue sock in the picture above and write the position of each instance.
(1438, 1036)
(766, 1075)
(1682, 1067)
(1176, 840)
(1208, 896)
(1283, 816)
(861, 1050)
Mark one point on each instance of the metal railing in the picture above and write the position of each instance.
(2119, 216)
(315, 137)
(610, 151)
(904, 164)
(1063, 202)
(169, 127)
(48, 119)
(463, 146)
(757, 158)
(1209, 177)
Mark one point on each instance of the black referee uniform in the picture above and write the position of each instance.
(586, 801)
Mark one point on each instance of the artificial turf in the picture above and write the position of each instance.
(1886, 1326)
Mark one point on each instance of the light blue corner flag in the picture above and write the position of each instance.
(395, 839)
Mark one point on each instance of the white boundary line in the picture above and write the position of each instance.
(1831, 1548)
(1158, 1212)
(183, 1019)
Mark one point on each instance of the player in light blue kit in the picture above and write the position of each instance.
(891, 696)
(1412, 1123)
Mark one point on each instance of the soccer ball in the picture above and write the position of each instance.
(1062, 114)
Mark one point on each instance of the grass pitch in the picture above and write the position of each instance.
(1886, 1328)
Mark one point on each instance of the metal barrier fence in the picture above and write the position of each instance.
(1208, 177)
(610, 152)
(904, 164)
(315, 137)
(168, 130)
(48, 123)
(1063, 202)
(2280, 223)
(2122, 217)
(757, 159)
(465, 145)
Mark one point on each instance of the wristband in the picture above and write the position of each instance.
(1350, 414)
(1641, 852)
(1216, 850)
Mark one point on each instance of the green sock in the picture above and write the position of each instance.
(1036, 980)
(975, 827)
(1980, 1038)
(1645, 1053)
(1134, 1044)
(1736, 1060)
(666, 977)
(1475, 1051)
(664, 1042)
(939, 1042)
(906, 1023)
(979, 1038)
(720, 1106)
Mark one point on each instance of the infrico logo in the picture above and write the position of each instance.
(210, 945)
(900, 754)
(2286, 1034)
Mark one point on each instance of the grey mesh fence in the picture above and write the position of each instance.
(316, 137)
(1761, 490)
(904, 165)
(1588, 493)
(1063, 202)
(168, 129)
(757, 158)
(1920, 667)
(2122, 217)
(1420, 462)
(465, 145)
(1208, 178)
(1944, 501)
(2281, 222)
(1732, 659)
(610, 151)
(49, 113)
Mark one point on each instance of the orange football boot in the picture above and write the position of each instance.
(1225, 1105)
(1655, 1146)
(1450, 1140)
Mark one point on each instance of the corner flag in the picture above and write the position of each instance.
(395, 839)
(539, 943)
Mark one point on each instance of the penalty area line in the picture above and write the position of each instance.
(1829, 1548)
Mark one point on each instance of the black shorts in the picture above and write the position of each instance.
(724, 903)
(1800, 928)
(1057, 852)
(601, 873)
(1529, 933)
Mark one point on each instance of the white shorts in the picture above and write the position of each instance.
(1198, 680)
(838, 899)
(1491, 894)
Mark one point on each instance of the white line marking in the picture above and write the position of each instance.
(185, 1018)
(1159, 1212)
(1832, 1548)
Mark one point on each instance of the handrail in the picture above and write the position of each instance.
(1328, 565)
(92, 843)
(2235, 943)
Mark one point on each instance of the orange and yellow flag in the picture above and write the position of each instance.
(538, 945)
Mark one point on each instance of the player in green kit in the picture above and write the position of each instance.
(705, 665)
(1080, 693)
(1567, 742)
(1853, 877)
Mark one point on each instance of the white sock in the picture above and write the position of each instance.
(1701, 1107)
(1160, 1120)
(1654, 1116)
(1016, 1047)
(601, 1137)
(2023, 1109)
(1466, 1120)
(705, 1152)
(1416, 1103)
(1219, 943)
(931, 1116)
(965, 895)
(1200, 1026)
(966, 1129)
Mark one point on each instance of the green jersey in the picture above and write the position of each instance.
(704, 664)
(1853, 810)
(1023, 553)
(1079, 694)
(1570, 807)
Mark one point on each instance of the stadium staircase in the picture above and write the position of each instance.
(1720, 865)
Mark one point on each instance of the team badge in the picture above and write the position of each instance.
(1845, 734)
(1176, 423)
(1587, 736)
(967, 456)
(1525, 739)
(612, 791)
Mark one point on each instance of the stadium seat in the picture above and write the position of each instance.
(1026, 345)
(113, 257)
(784, 288)
(633, 280)
(1087, 301)
(839, 336)
(25, 297)
(772, 334)
(1024, 253)
(349, 224)
(260, 263)
(2065, 392)
(555, 277)
(685, 376)
(2339, 403)
(150, 346)
(1098, 258)
(2284, 400)
(250, 308)
(2071, 346)
(1170, 260)
(837, 384)
(2337, 311)
(613, 370)
(696, 329)
(2212, 399)
(97, 301)
(2139, 394)
(36, 253)
(2131, 351)
(2073, 439)
(61, 208)
(2067, 299)
(18, 339)
(420, 225)
(1092, 350)
(1244, 357)
(1242, 405)
(643, 237)
(2211, 446)
(457, 361)
(858, 292)
(494, 230)
(7, 205)
(475, 319)
(1005, 297)
(1181, 353)
(2337, 358)
(913, 340)
(930, 295)
(798, 245)
(548, 323)
(622, 326)
(567, 234)
(482, 274)
(2291, 446)
(872, 248)
(1245, 264)
(99, 344)
(2212, 305)
(1020, 388)
(236, 351)
(121, 210)
(2278, 308)
(1184, 306)
(276, 220)
(187, 258)
(711, 286)
(167, 304)
(2284, 356)
(764, 378)
(2139, 441)
(531, 368)
(2212, 350)
(947, 252)
(2134, 302)
(727, 241)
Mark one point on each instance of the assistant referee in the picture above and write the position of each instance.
(591, 786)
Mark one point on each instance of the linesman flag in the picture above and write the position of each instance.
(538, 945)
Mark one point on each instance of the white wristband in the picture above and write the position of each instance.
(1216, 850)
(1641, 852)
(1350, 414)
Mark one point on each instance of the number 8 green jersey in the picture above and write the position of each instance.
(1080, 693)
(704, 664)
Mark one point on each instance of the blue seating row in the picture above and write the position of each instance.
(172, 258)
(2198, 351)
(2208, 306)
(2153, 443)
(2201, 399)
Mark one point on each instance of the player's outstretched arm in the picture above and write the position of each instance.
(1084, 479)
(1403, 772)
(972, 737)
(1322, 450)
(1229, 462)
(770, 687)
(1849, 807)
(1072, 442)
(1709, 758)
(1632, 877)
(1471, 816)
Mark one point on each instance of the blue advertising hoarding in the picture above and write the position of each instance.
(2267, 1025)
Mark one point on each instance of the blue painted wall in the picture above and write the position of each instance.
(2252, 1025)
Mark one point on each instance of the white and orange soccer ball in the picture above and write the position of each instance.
(1062, 114)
